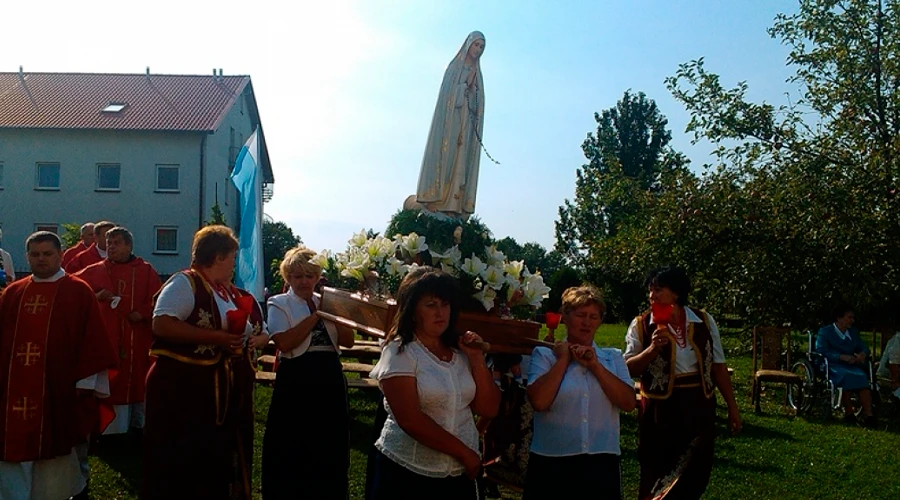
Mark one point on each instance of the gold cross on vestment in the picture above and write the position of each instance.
(36, 305)
(27, 353)
(24, 409)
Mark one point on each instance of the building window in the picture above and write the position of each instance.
(108, 176)
(53, 228)
(47, 176)
(166, 239)
(167, 178)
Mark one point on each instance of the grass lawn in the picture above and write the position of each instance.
(777, 455)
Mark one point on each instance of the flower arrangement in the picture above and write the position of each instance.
(375, 265)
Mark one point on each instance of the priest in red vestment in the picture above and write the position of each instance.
(54, 353)
(94, 253)
(125, 285)
(87, 239)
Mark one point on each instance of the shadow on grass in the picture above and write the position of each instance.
(122, 454)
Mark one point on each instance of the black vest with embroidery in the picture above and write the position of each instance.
(205, 315)
(658, 380)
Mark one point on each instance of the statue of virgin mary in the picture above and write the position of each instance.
(449, 175)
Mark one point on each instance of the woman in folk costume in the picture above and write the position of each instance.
(676, 352)
(306, 448)
(449, 174)
(198, 434)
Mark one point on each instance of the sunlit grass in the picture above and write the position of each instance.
(777, 456)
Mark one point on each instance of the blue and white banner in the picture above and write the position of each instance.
(247, 178)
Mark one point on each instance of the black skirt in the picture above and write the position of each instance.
(306, 447)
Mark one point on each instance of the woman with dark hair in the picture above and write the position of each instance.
(676, 352)
(198, 434)
(433, 380)
(847, 359)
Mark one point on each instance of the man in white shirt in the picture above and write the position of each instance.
(889, 367)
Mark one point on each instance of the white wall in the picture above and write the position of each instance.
(136, 205)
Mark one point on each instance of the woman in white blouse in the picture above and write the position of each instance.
(676, 352)
(432, 383)
(306, 447)
(577, 392)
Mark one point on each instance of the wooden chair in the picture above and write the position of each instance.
(768, 344)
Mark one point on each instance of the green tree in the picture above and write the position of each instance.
(72, 235)
(278, 238)
(630, 165)
(803, 206)
(216, 216)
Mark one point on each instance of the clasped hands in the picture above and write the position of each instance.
(567, 352)
(853, 359)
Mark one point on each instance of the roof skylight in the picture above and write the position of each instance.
(114, 107)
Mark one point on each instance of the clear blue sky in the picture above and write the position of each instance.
(346, 90)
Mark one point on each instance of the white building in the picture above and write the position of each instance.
(150, 152)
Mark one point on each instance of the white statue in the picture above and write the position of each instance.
(449, 175)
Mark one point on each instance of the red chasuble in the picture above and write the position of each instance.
(83, 259)
(136, 282)
(51, 336)
(71, 253)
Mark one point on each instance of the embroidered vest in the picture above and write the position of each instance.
(205, 315)
(658, 380)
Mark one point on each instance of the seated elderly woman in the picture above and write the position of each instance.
(433, 382)
(577, 391)
(847, 356)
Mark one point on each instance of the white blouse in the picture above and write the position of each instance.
(685, 359)
(445, 391)
(286, 310)
(177, 300)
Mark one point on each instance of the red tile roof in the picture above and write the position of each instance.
(154, 102)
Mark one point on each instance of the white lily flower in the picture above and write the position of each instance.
(494, 257)
(493, 277)
(321, 259)
(449, 270)
(473, 266)
(450, 257)
(486, 296)
(357, 273)
(412, 267)
(514, 268)
(412, 244)
(535, 290)
(379, 248)
(514, 286)
(359, 239)
(396, 267)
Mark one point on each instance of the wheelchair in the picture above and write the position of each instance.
(817, 394)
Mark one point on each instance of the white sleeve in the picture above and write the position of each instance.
(633, 344)
(542, 359)
(98, 382)
(894, 350)
(278, 318)
(718, 352)
(394, 363)
(621, 369)
(8, 267)
(176, 298)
